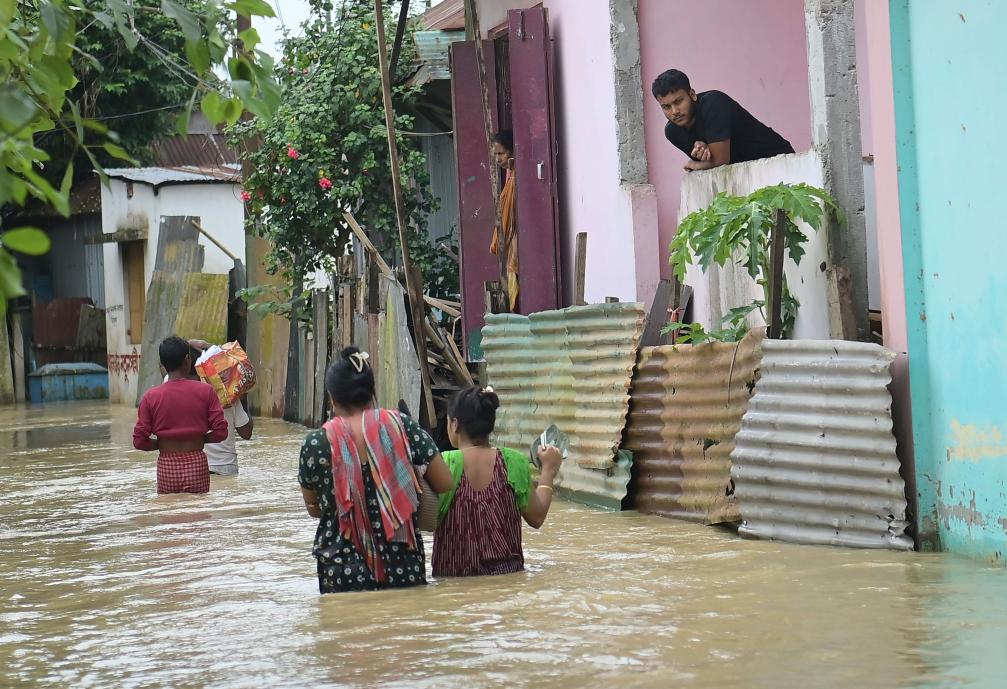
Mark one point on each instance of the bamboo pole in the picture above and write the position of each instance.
(414, 290)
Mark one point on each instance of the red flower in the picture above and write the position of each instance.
(262, 194)
(245, 196)
(325, 183)
(292, 152)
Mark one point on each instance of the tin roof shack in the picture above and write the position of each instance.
(136, 207)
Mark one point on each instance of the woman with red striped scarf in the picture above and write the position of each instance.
(480, 515)
(358, 478)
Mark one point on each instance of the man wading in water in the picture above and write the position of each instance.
(181, 415)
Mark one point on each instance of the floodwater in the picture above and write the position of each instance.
(105, 584)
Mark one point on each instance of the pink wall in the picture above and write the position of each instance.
(591, 198)
(758, 57)
(878, 129)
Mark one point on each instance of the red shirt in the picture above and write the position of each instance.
(177, 410)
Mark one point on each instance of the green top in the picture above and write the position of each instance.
(518, 476)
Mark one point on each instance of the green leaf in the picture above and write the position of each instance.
(117, 151)
(213, 107)
(67, 183)
(232, 110)
(251, 8)
(249, 39)
(198, 54)
(55, 20)
(239, 69)
(10, 279)
(27, 240)
(187, 21)
(16, 109)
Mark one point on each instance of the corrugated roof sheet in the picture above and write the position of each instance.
(201, 150)
(445, 16)
(571, 367)
(685, 410)
(202, 313)
(433, 49)
(183, 174)
(815, 460)
(55, 323)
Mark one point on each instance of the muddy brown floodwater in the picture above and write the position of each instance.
(105, 584)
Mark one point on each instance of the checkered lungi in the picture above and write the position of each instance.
(183, 472)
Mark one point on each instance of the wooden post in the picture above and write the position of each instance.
(400, 32)
(777, 246)
(580, 269)
(18, 361)
(472, 24)
(414, 290)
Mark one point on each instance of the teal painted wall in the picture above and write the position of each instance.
(950, 66)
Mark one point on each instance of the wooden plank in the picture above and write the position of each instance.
(660, 312)
(777, 254)
(442, 305)
(366, 241)
(580, 269)
(134, 234)
(214, 241)
(322, 353)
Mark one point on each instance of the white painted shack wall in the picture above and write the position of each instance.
(721, 289)
(221, 212)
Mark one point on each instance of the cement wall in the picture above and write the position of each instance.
(760, 60)
(952, 232)
(221, 211)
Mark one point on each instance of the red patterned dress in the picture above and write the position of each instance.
(481, 533)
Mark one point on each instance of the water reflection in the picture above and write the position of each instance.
(104, 583)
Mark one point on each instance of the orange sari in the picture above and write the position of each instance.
(508, 220)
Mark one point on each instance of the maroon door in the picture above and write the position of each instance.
(476, 214)
(535, 161)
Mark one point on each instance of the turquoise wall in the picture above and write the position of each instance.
(950, 70)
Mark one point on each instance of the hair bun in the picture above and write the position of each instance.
(489, 398)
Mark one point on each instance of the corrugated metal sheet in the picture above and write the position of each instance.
(203, 150)
(685, 410)
(445, 16)
(433, 48)
(182, 174)
(571, 367)
(54, 324)
(202, 314)
(815, 458)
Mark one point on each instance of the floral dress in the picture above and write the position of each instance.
(340, 566)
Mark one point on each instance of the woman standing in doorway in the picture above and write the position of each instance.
(505, 234)
(357, 478)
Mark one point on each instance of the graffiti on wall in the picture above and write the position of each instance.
(124, 364)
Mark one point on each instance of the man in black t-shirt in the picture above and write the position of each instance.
(710, 127)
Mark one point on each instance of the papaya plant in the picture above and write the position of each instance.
(739, 229)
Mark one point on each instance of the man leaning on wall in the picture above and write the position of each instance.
(711, 127)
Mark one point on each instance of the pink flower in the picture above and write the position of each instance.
(325, 183)
(245, 196)
(292, 152)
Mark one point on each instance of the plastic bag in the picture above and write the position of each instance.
(228, 371)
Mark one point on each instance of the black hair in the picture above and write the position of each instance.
(505, 138)
(669, 82)
(173, 351)
(347, 386)
(475, 410)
